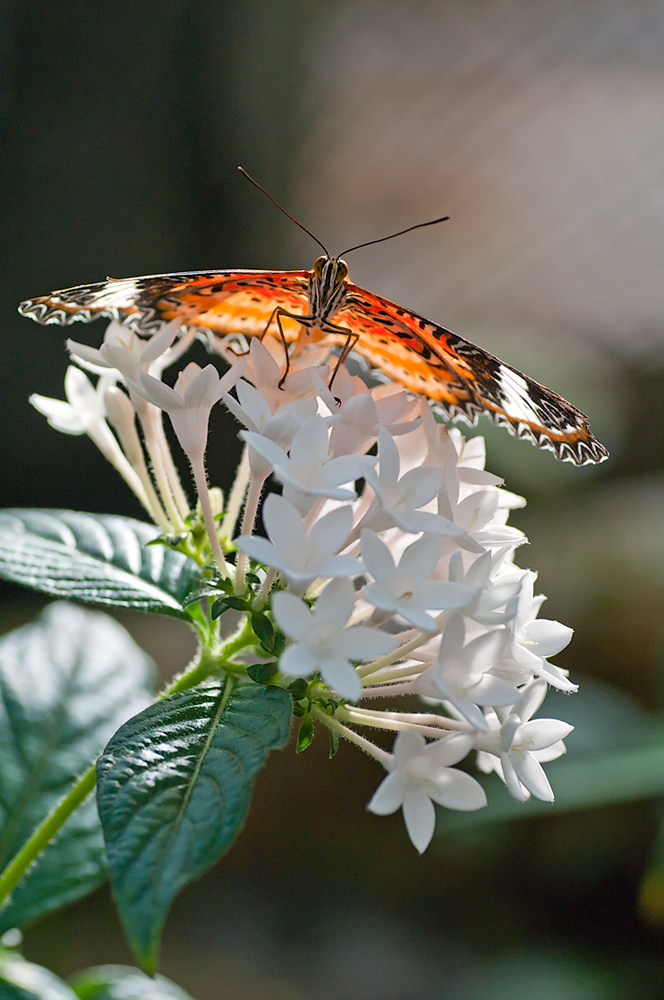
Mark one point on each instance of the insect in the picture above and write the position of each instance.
(461, 379)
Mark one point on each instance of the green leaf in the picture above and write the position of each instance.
(21, 980)
(299, 689)
(121, 982)
(236, 603)
(66, 683)
(173, 788)
(262, 673)
(264, 629)
(94, 557)
(305, 735)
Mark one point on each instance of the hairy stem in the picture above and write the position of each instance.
(45, 833)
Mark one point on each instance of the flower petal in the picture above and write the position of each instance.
(420, 818)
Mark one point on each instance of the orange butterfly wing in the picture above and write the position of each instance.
(220, 301)
(462, 379)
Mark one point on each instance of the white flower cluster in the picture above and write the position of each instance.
(388, 563)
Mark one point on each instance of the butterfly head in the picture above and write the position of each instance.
(331, 270)
(328, 286)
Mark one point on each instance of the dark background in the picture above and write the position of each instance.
(537, 127)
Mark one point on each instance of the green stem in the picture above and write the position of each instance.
(244, 636)
(208, 662)
(79, 792)
(45, 833)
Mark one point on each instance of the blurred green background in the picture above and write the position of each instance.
(537, 126)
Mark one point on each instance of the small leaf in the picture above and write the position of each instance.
(21, 980)
(264, 629)
(173, 788)
(334, 742)
(172, 541)
(66, 683)
(298, 689)
(306, 734)
(262, 673)
(100, 558)
(121, 982)
(236, 603)
(198, 595)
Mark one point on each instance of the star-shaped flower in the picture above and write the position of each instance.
(515, 745)
(309, 470)
(128, 353)
(189, 402)
(322, 643)
(534, 640)
(302, 557)
(399, 499)
(459, 676)
(407, 589)
(482, 513)
(420, 774)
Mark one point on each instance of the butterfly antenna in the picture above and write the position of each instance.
(420, 225)
(282, 209)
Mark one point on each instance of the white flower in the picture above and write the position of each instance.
(496, 590)
(266, 376)
(354, 425)
(189, 403)
(407, 589)
(309, 470)
(357, 423)
(420, 774)
(84, 411)
(459, 676)
(253, 410)
(323, 643)
(302, 557)
(399, 499)
(128, 353)
(534, 639)
(480, 513)
(514, 747)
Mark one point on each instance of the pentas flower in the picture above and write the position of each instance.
(480, 511)
(252, 410)
(400, 499)
(535, 639)
(308, 470)
(189, 405)
(515, 746)
(461, 675)
(267, 377)
(84, 412)
(497, 588)
(302, 556)
(407, 589)
(387, 567)
(421, 774)
(190, 402)
(127, 353)
(321, 641)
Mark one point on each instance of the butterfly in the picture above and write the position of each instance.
(461, 379)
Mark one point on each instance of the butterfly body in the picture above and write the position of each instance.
(460, 378)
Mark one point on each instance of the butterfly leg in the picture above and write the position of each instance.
(351, 340)
(276, 314)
